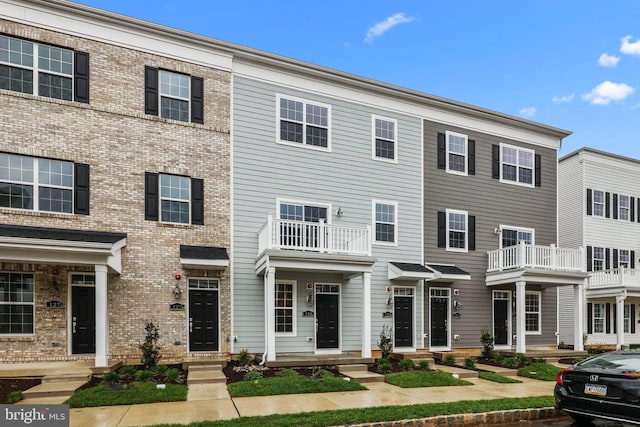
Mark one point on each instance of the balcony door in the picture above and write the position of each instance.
(511, 236)
(299, 228)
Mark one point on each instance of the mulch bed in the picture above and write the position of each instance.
(95, 381)
(235, 376)
(7, 385)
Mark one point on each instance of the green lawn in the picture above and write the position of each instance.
(409, 379)
(492, 376)
(291, 385)
(139, 392)
(540, 371)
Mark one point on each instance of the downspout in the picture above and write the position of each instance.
(266, 337)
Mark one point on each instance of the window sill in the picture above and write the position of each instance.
(326, 149)
(175, 225)
(520, 184)
(17, 338)
(41, 214)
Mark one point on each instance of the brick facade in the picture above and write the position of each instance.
(120, 143)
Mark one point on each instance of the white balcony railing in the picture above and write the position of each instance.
(616, 277)
(314, 237)
(534, 256)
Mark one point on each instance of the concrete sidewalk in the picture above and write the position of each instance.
(212, 402)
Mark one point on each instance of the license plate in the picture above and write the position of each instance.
(598, 390)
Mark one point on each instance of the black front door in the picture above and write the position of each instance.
(203, 320)
(403, 321)
(327, 320)
(500, 321)
(439, 315)
(83, 319)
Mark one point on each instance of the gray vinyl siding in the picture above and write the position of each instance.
(493, 203)
(347, 177)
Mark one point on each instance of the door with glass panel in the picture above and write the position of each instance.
(300, 225)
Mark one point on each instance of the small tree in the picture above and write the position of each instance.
(150, 348)
(385, 344)
(487, 343)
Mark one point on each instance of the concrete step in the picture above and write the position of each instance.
(213, 375)
(364, 377)
(462, 373)
(189, 363)
(80, 376)
(356, 367)
(505, 372)
(53, 389)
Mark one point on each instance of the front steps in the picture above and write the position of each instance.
(416, 357)
(205, 371)
(55, 388)
(360, 373)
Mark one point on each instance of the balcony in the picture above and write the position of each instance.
(615, 278)
(317, 237)
(537, 257)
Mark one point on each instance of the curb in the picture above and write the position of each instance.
(464, 420)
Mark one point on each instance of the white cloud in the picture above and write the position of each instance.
(563, 99)
(608, 60)
(383, 26)
(606, 92)
(632, 48)
(528, 111)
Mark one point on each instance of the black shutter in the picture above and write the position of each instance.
(197, 201)
(442, 151)
(197, 100)
(151, 91)
(81, 77)
(632, 208)
(538, 169)
(632, 318)
(615, 258)
(615, 318)
(81, 189)
(607, 317)
(151, 196)
(589, 318)
(607, 213)
(589, 258)
(632, 259)
(495, 161)
(607, 258)
(442, 229)
(638, 205)
(472, 232)
(615, 206)
(589, 202)
(471, 146)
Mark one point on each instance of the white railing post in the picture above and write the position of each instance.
(554, 259)
(269, 232)
(583, 259)
(522, 254)
(321, 238)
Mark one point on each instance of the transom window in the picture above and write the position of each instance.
(327, 289)
(83, 279)
(285, 307)
(532, 312)
(598, 318)
(174, 96)
(598, 203)
(517, 164)
(203, 283)
(598, 258)
(403, 292)
(305, 123)
(623, 207)
(385, 142)
(457, 152)
(385, 220)
(35, 68)
(36, 184)
(16, 303)
(175, 199)
(457, 230)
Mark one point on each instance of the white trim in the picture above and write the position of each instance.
(303, 122)
(509, 317)
(412, 295)
(374, 221)
(32, 303)
(539, 330)
(593, 203)
(188, 317)
(517, 166)
(294, 307)
(374, 137)
(620, 208)
(466, 153)
(172, 199)
(170, 96)
(337, 350)
(448, 297)
(517, 230)
(466, 231)
(303, 203)
(204, 264)
(70, 287)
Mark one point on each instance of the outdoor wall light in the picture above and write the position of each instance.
(177, 292)
(339, 211)
(54, 286)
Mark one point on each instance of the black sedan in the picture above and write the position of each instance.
(606, 386)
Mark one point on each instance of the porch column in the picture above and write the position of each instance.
(269, 313)
(102, 317)
(521, 345)
(578, 317)
(366, 314)
(620, 320)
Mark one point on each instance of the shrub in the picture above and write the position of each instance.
(406, 364)
(470, 363)
(450, 360)
(287, 373)
(173, 375)
(14, 396)
(161, 369)
(150, 348)
(511, 362)
(252, 375)
(541, 360)
(128, 371)
(143, 375)
(385, 344)
(500, 358)
(244, 359)
(111, 377)
(318, 374)
(523, 360)
(384, 366)
(424, 365)
(487, 341)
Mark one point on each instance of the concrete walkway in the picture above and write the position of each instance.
(212, 402)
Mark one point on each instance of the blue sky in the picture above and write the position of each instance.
(566, 63)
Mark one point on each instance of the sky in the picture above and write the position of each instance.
(571, 64)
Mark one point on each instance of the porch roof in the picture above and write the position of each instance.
(313, 261)
(204, 257)
(449, 271)
(19, 243)
(431, 272)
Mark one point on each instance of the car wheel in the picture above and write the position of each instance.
(581, 419)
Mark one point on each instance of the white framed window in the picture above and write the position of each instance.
(457, 152)
(385, 220)
(517, 165)
(598, 259)
(36, 184)
(36, 69)
(385, 139)
(624, 258)
(285, 307)
(532, 312)
(174, 95)
(511, 236)
(17, 307)
(457, 230)
(627, 319)
(304, 123)
(175, 199)
(598, 318)
(623, 208)
(598, 203)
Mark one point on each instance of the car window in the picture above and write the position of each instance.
(627, 362)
